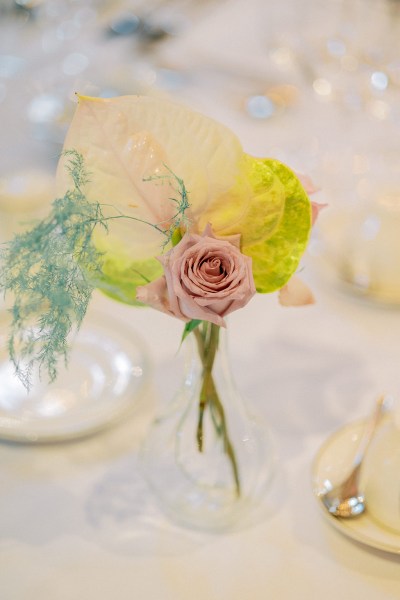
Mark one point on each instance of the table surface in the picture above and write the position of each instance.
(77, 519)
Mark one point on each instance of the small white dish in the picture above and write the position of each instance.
(332, 463)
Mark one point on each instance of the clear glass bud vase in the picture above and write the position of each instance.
(206, 457)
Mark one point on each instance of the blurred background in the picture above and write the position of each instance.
(314, 84)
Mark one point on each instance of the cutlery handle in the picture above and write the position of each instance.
(370, 429)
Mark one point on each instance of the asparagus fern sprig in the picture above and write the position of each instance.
(50, 271)
(172, 229)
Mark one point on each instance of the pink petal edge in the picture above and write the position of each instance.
(296, 293)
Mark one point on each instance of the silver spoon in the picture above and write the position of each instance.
(345, 499)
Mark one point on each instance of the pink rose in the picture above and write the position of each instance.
(204, 278)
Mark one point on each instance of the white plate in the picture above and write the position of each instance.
(103, 382)
(331, 463)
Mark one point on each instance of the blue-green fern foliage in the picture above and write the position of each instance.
(51, 272)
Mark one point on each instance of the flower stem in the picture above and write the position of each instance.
(207, 338)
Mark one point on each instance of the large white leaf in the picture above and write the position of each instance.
(127, 140)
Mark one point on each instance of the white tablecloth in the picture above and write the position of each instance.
(77, 520)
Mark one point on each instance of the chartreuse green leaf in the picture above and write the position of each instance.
(276, 258)
(252, 207)
(121, 277)
(189, 327)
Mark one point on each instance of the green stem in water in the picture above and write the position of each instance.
(207, 338)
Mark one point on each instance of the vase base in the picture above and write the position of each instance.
(213, 508)
(211, 518)
(198, 514)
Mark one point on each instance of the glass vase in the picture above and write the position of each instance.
(206, 457)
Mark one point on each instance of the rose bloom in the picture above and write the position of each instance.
(204, 278)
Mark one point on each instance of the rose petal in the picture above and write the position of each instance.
(155, 294)
(190, 308)
(307, 183)
(295, 293)
(315, 210)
